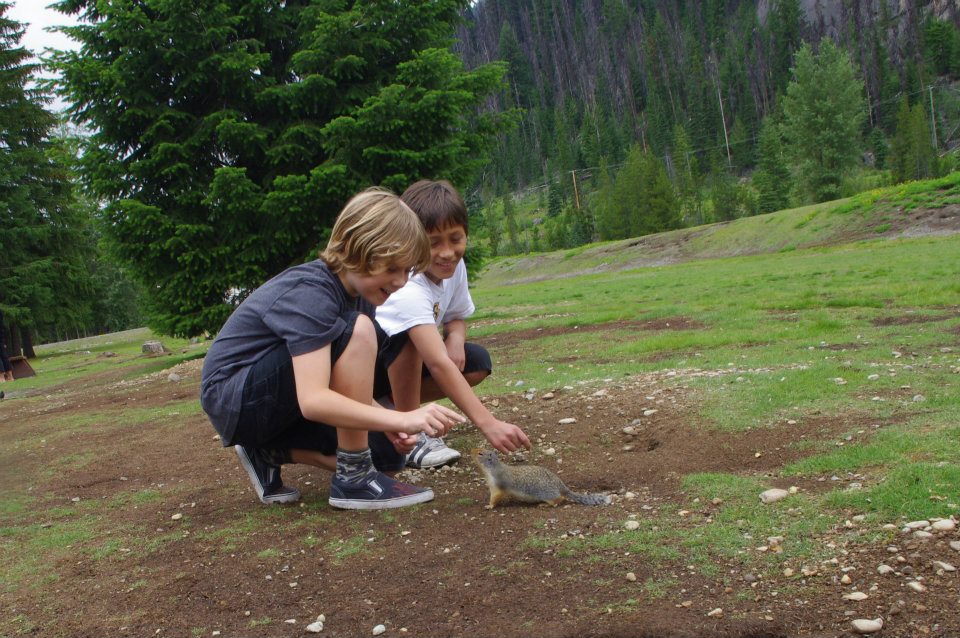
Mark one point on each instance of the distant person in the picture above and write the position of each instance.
(290, 377)
(6, 369)
(423, 365)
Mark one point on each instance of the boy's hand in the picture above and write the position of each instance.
(506, 437)
(431, 419)
(402, 443)
(456, 352)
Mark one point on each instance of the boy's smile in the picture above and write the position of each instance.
(376, 287)
(447, 245)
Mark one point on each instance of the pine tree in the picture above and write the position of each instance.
(772, 177)
(912, 153)
(45, 284)
(228, 133)
(822, 115)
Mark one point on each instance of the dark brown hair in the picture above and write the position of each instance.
(436, 203)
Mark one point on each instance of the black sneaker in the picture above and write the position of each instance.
(265, 477)
(376, 492)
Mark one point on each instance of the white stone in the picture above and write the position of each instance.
(567, 421)
(315, 627)
(917, 525)
(917, 586)
(945, 525)
(885, 569)
(947, 567)
(856, 595)
(173, 377)
(955, 545)
(864, 626)
(922, 534)
(773, 495)
(650, 412)
(632, 525)
(177, 516)
(631, 577)
(550, 451)
(716, 613)
(845, 579)
(379, 629)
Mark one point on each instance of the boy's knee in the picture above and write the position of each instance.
(364, 334)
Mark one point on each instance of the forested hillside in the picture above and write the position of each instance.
(700, 87)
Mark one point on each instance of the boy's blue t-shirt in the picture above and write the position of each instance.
(302, 309)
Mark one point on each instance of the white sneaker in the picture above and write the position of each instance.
(431, 452)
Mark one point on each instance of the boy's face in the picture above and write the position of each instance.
(447, 245)
(375, 287)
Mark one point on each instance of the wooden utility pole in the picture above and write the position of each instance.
(933, 122)
(576, 193)
(723, 120)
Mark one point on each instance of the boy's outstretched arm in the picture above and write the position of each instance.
(504, 436)
(323, 404)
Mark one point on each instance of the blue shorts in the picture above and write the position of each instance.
(270, 416)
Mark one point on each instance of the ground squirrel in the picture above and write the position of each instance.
(528, 483)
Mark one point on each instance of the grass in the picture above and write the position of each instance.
(862, 334)
(849, 332)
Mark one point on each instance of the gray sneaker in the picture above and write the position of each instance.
(431, 452)
(265, 476)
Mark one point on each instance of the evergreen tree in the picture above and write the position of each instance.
(912, 155)
(786, 23)
(772, 177)
(688, 179)
(822, 115)
(45, 285)
(228, 133)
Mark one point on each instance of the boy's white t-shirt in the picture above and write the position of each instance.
(421, 302)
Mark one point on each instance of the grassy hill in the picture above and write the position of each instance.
(914, 209)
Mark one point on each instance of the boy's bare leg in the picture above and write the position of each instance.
(352, 376)
(405, 379)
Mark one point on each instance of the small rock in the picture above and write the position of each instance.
(947, 567)
(548, 396)
(856, 595)
(883, 570)
(919, 398)
(845, 579)
(629, 430)
(944, 525)
(922, 534)
(315, 627)
(649, 412)
(379, 629)
(567, 421)
(631, 577)
(917, 586)
(864, 626)
(550, 451)
(788, 572)
(177, 516)
(153, 347)
(173, 377)
(773, 495)
(955, 545)
(632, 525)
(716, 613)
(916, 525)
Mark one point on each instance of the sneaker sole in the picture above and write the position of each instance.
(428, 465)
(291, 496)
(382, 504)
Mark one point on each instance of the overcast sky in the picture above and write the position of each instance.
(35, 15)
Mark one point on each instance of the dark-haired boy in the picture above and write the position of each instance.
(428, 366)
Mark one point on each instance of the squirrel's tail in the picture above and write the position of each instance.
(587, 499)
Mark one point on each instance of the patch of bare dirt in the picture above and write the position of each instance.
(448, 568)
